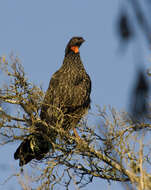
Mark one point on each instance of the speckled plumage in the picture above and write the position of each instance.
(67, 99)
(69, 90)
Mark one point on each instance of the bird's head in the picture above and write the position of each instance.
(74, 44)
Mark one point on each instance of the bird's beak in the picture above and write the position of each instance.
(82, 40)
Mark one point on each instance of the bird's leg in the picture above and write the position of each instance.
(80, 142)
(76, 133)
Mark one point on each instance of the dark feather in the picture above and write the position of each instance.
(66, 101)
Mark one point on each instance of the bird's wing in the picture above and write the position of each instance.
(69, 90)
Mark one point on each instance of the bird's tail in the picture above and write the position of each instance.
(35, 146)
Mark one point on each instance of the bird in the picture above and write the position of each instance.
(66, 101)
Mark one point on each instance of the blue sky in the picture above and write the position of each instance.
(38, 31)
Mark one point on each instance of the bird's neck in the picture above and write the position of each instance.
(73, 54)
(73, 60)
(72, 57)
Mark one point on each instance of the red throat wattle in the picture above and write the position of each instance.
(75, 49)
